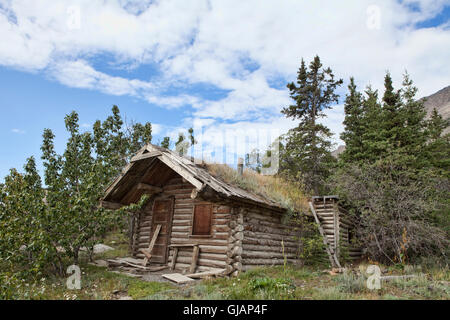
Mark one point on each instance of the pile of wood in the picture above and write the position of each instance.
(185, 278)
(131, 264)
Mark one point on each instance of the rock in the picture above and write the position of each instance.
(100, 263)
(126, 298)
(100, 248)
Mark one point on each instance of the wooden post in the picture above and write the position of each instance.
(336, 229)
(174, 258)
(240, 166)
(195, 253)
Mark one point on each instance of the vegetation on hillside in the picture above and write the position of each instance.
(393, 174)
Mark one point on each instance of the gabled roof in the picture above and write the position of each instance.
(151, 163)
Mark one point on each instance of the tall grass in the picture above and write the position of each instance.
(288, 194)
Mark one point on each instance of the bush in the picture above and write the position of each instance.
(395, 206)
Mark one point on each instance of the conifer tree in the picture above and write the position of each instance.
(438, 148)
(308, 145)
(353, 124)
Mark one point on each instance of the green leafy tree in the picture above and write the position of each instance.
(307, 146)
(24, 224)
(76, 179)
(183, 144)
(41, 230)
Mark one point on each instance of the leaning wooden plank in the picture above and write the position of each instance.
(177, 278)
(206, 274)
(152, 243)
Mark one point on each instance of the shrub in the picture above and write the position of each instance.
(395, 223)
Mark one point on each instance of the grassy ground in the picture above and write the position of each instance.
(261, 283)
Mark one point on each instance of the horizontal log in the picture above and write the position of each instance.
(266, 255)
(186, 266)
(265, 248)
(202, 262)
(263, 262)
(182, 216)
(178, 211)
(181, 223)
(268, 242)
(202, 255)
(208, 241)
(264, 235)
(178, 228)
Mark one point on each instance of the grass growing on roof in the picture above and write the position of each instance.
(288, 194)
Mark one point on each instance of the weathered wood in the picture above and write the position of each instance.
(174, 258)
(195, 252)
(205, 274)
(332, 258)
(145, 156)
(181, 171)
(177, 278)
(110, 205)
(148, 188)
(150, 247)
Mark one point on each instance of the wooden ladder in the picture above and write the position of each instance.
(327, 219)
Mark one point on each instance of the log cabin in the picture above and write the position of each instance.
(197, 222)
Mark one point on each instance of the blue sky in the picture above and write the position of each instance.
(218, 65)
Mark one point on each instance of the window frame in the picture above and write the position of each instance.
(191, 233)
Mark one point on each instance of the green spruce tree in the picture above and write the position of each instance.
(353, 124)
(307, 146)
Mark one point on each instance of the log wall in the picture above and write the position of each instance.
(241, 237)
(213, 249)
(262, 240)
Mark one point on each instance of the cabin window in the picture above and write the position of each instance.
(201, 224)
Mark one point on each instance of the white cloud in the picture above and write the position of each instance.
(80, 74)
(18, 131)
(236, 46)
(157, 128)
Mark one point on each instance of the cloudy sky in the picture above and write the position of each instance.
(223, 65)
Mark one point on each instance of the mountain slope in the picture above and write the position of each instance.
(439, 100)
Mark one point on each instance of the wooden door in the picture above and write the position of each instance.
(162, 214)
